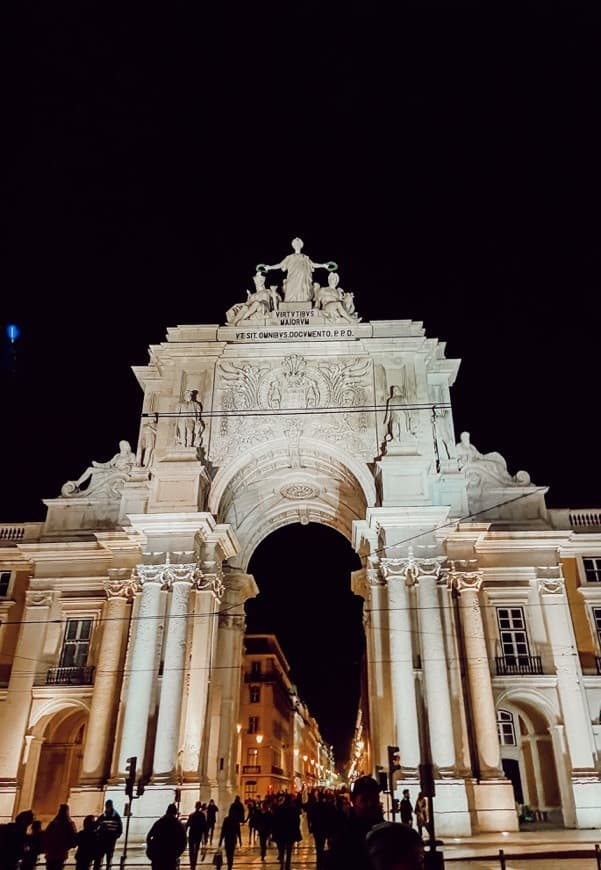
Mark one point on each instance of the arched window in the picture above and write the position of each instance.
(505, 728)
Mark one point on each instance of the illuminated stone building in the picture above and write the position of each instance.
(280, 747)
(122, 614)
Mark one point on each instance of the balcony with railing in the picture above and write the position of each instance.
(517, 666)
(75, 676)
(251, 768)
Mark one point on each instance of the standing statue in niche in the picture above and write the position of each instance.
(148, 440)
(298, 285)
(105, 478)
(190, 426)
(396, 418)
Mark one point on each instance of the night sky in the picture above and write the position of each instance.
(448, 161)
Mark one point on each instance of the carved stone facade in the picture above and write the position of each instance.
(482, 610)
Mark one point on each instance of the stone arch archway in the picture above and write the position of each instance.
(287, 482)
(537, 752)
(53, 757)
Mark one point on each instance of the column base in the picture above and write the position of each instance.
(587, 802)
(452, 816)
(493, 805)
(146, 809)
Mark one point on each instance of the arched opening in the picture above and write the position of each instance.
(529, 761)
(59, 760)
(305, 599)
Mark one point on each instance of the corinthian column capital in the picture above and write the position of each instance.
(209, 582)
(38, 598)
(395, 569)
(551, 585)
(463, 579)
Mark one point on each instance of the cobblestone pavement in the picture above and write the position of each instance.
(561, 850)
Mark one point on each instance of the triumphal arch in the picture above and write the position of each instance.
(296, 410)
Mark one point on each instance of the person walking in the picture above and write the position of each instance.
(87, 844)
(346, 847)
(59, 837)
(406, 809)
(212, 810)
(262, 823)
(109, 828)
(33, 846)
(422, 818)
(230, 831)
(236, 811)
(286, 830)
(196, 826)
(166, 840)
(13, 839)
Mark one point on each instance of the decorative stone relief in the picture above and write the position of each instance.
(292, 388)
(551, 585)
(212, 583)
(38, 598)
(485, 468)
(299, 491)
(106, 479)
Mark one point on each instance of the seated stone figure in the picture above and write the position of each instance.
(106, 479)
(333, 301)
(258, 304)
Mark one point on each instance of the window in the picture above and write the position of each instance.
(597, 618)
(250, 789)
(592, 570)
(255, 668)
(76, 644)
(513, 636)
(255, 694)
(505, 728)
(4, 582)
(253, 724)
(252, 756)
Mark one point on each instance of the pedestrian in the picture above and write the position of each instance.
(262, 823)
(422, 817)
(166, 840)
(59, 837)
(33, 846)
(87, 844)
(393, 846)
(406, 809)
(236, 811)
(13, 839)
(196, 826)
(347, 849)
(228, 838)
(109, 828)
(286, 830)
(320, 817)
(212, 810)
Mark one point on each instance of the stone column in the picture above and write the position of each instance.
(170, 703)
(434, 664)
(401, 664)
(106, 681)
(478, 669)
(206, 595)
(143, 660)
(576, 715)
(14, 712)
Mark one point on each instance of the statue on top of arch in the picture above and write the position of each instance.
(298, 289)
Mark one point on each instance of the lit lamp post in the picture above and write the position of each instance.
(239, 758)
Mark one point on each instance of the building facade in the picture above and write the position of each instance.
(280, 746)
(122, 615)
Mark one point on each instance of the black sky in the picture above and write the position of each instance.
(448, 160)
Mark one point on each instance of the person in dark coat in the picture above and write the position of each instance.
(320, 816)
(109, 828)
(13, 839)
(263, 824)
(59, 837)
(406, 809)
(196, 827)
(230, 831)
(286, 830)
(33, 846)
(166, 840)
(212, 810)
(87, 844)
(347, 849)
(236, 811)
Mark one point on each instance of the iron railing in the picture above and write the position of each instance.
(79, 676)
(510, 666)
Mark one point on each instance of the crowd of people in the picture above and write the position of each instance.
(348, 829)
(24, 841)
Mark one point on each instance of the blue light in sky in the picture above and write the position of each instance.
(13, 331)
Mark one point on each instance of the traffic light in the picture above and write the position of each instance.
(140, 787)
(130, 775)
(393, 759)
